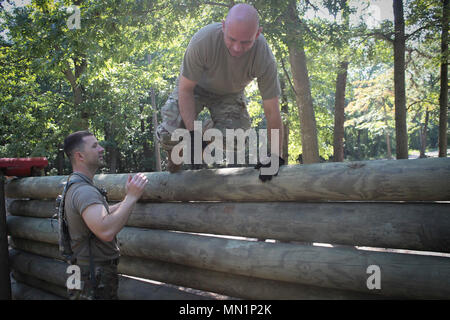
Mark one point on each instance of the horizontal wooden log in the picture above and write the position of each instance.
(32, 208)
(129, 288)
(54, 272)
(339, 268)
(37, 283)
(44, 249)
(404, 275)
(244, 287)
(413, 226)
(379, 180)
(135, 289)
(44, 230)
(208, 280)
(26, 287)
(22, 291)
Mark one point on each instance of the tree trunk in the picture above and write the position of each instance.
(111, 148)
(443, 96)
(386, 131)
(297, 59)
(423, 135)
(81, 123)
(388, 145)
(60, 160)
(358, 146)
(145, 145)
(339, 115)
(156, 149)
(285, 115)
(399, 82)
(113, 159)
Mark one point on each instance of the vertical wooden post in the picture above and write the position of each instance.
(155, 139)
(443, 95)
(5, 282)
(155, 125)
(401, 130)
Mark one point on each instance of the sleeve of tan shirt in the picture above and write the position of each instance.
(267, 75)
(84, 196)
(192, 66)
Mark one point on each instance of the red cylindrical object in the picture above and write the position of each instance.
(18, 171)
(21, 167)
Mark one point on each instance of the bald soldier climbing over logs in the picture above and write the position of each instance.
(220, 61)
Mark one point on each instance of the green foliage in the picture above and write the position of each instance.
(108, 58)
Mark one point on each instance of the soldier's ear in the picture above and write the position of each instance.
(258, 32)
(78, 156)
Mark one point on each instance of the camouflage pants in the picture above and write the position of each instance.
(227, 112)
(107, 283)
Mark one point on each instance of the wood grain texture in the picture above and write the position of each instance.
(211, 281)
(380, 180)
(46, 273)
(414, 226)
(403, 275)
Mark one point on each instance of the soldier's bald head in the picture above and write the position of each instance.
(243, 14)
(241, 29)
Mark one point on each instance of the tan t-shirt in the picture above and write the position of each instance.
(208, 62)
(80, 196)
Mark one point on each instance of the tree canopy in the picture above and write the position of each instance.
(58, 77)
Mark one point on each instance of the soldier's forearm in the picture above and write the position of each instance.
(273, 116)
(112, 223)
(186, 104)
(114, 207)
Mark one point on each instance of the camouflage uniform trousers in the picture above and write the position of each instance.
(227, 112)
(107, 282)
